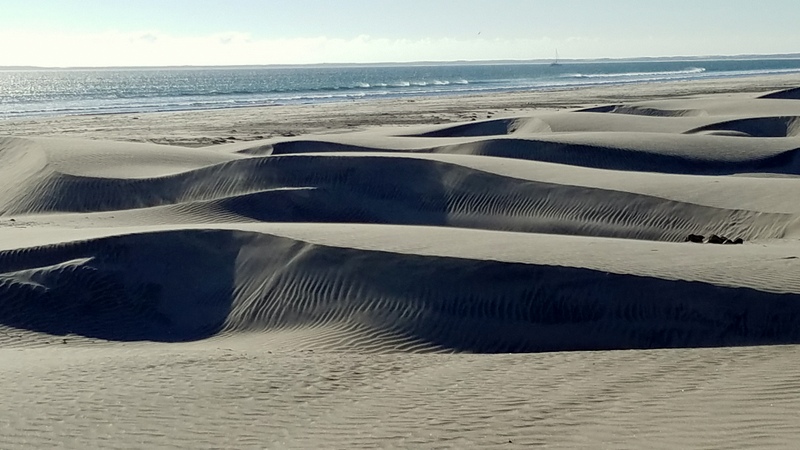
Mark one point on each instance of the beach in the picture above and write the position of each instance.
(610, 266)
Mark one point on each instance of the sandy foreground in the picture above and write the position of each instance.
(507, 270)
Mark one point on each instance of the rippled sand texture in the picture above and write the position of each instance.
(300, 291)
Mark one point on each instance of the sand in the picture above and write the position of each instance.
(506, 270)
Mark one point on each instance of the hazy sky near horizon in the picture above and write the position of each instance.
(210, 32)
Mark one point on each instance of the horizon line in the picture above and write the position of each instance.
(428, 62)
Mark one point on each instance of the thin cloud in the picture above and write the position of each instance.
(148, 48)
(154, 48)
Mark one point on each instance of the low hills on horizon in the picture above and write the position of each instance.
(440, 63)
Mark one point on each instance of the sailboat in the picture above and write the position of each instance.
(555, 61)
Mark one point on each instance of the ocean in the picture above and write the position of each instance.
(53, 92)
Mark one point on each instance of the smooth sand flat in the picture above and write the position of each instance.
(518, 279)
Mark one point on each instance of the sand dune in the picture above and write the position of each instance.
(122, 288)
(539, 232)
(205, 215)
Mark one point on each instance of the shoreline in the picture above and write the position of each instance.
(198, 128)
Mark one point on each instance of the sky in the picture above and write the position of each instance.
(94, 33)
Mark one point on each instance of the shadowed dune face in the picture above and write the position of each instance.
(645, 111)
(496, 127)
(655, 155)
(786, 94)
(757, 127)
(559, 232)
(122, 288)
(119, 288)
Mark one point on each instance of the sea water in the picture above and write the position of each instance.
(50, 92)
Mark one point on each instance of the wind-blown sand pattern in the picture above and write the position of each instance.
(344, 289)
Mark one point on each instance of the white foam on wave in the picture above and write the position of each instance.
(668, 73)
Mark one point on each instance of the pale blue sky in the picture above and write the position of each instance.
(201, 32)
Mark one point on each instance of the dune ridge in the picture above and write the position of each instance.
(373, 189)
(118, 288)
